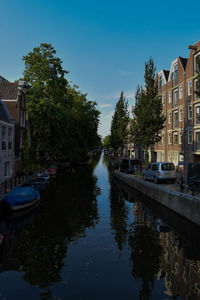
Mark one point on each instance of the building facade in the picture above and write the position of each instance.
(6, 143)
(13, 95)
(180, 138)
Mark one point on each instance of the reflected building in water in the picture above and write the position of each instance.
(181, 274)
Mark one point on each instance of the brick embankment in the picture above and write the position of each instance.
(183, 204)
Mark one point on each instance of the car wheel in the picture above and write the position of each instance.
(155, 180)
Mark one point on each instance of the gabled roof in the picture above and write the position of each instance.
(183, 62)
(8, 90)
(166, 73)
(4, 114)
(2, 78)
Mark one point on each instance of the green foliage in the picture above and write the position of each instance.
(63, 122)
(119, 130)
(148, 118)
(106, 141)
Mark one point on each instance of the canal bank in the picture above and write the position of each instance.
(183, 204)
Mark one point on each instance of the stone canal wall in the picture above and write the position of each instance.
(183, 204)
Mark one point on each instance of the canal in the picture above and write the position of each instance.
(93, 238)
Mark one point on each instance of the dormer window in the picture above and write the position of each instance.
(174, 76)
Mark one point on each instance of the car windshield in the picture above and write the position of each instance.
(167, 167)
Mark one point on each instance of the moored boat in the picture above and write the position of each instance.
(22, 197)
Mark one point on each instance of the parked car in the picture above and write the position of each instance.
(129, 165)
(160, 171)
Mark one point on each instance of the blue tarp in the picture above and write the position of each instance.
(21, 195)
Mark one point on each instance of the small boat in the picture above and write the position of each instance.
(22, 197)
(37, 183)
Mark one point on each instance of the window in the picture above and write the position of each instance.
(169, 138)
(170, 97)
(190, 88)
(180, 92)
(175, 119)
(3, 138)
(196, 89)
(197, 115)
(163, 99)
(175, 75)
(175, 138)
(189, 136)
(169, 117)
(196, 63)
(189, 112)
(163, 138)
(175, 98)
(181, 137)
(180, 114)
(197, 141)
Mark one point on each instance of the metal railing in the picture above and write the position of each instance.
(8, 184)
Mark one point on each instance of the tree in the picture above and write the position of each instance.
(63, 122)
(148, 118)
(106, 141)
(119, 130)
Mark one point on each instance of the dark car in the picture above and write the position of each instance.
(129, 165)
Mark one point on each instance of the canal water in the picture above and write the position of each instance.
(93, 238)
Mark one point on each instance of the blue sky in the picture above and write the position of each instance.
(103, 44)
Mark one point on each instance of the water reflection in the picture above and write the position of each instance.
(111, 244)
(159, 248)
(38, 250)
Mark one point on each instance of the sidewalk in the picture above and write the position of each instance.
(183, 204)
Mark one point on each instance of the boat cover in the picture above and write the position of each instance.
(21, 195)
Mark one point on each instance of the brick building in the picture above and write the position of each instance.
(13, 95)
(180, 138)
(6, 143)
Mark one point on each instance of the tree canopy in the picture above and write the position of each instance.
(119, 125)
(63, 122)
(148, 119)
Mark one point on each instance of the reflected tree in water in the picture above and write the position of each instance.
(145, 257)
(67, 209)
(119, 217)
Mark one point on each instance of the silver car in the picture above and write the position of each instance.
(160, 171)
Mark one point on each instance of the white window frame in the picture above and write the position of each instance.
(195, 67)
(174, 113)
(189, 87)
(189, 135)
(196, 97)
(169, 117)
(180, 137)
(195, 114)
(169, 138)
(170, 97)
(189, 112)
(195, 132)
(180, 92)
(175, 134)
(175, 92)
(180, 114)
(163, 138)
